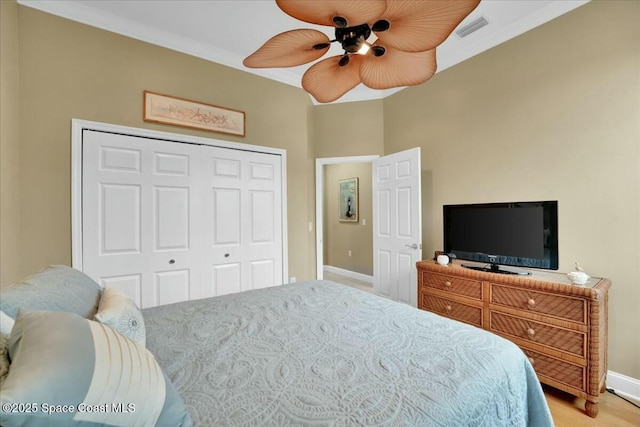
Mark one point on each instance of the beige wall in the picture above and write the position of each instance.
(9, 145)
(342, 237)
(69, 70)
(551, 115)
(348, 129)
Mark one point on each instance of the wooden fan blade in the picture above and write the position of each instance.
(288, 49)
(322, 12)
(327, 81)
(397, 68)
(416, 26)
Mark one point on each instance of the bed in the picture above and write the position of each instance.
(320, 353)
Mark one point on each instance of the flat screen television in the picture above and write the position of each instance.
(521, 234)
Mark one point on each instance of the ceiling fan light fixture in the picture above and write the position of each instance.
(364, 48)
(394, 47)
(352, 38)
(352, 45)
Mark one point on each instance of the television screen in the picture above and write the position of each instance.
(523, 234)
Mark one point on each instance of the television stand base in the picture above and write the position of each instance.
(495, 268)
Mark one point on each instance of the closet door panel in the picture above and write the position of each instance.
(112, 228)
(262, 212)
(225, 279)
(119, 211)
(243, 215)
(171, 286)
(173, 222)
(129, 284)
(139, 216)
(262, 271)
(171, 218)
(225, 218)
(222, 179)
(265, 226)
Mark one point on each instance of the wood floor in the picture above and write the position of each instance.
(567, 410)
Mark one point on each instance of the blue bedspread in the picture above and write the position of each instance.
(320, 353)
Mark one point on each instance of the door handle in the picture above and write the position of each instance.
(414, 246)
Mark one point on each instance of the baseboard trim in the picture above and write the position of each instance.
(348, 273)
(623, 385)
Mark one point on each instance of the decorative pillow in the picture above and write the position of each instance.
(119, 311)
(4, 358)
(56, 288)
(6, 323)
(66, 371)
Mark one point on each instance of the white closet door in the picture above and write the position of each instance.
(243, 220)
(140, 217)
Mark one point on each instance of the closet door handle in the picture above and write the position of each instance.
(172, 261)
(414, 246)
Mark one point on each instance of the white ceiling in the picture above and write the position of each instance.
(227, 31)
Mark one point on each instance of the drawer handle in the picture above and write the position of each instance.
(447, 284)
(531, 333)
(531, 361)
(448, 308)
(531, 303)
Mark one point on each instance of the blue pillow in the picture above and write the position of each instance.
(70, 371)
(56, 288)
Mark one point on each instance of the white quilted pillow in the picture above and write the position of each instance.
(119, 312)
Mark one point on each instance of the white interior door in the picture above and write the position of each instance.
(397, 230)
(243, 226)
(140, 216)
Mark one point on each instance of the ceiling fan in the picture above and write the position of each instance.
(387, 43)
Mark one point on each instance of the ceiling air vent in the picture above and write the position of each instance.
(472, 27)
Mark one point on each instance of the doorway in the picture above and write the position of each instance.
(320, 210)
(395, 218)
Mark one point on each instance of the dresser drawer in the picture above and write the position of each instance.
(557, 369)
(453, 309)
(541, 333)
(564, 307)
(455, 285)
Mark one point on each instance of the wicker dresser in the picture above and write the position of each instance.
(561, 327)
